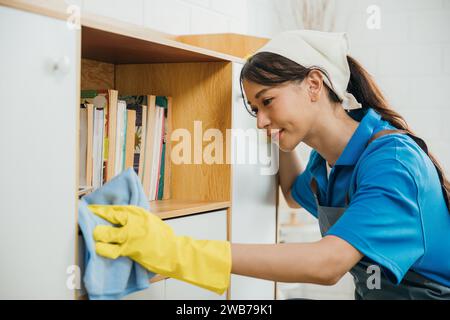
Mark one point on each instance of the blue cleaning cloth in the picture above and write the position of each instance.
(105, 278)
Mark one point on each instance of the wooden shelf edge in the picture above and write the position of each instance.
(168, 209)
(157, 278)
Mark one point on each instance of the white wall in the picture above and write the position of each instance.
(410, 60)
(174, 16)
(409, 57)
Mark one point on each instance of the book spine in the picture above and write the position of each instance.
(112, 106)
(130, 139)
(124, 140)
(90, 133)
(148, 167)
(163, 148)
(168, 150)
(160, 147)
(143, 143)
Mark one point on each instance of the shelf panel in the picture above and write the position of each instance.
(167, 209)
(117, 48)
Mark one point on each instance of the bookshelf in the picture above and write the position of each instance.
(232, 202)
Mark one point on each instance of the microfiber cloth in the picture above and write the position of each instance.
(106, 278)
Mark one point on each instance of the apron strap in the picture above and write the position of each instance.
(383, 133)
(377, 135)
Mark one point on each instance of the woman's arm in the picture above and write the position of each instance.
(322, 262)
(290, 168)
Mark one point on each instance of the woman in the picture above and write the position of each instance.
(381, 199)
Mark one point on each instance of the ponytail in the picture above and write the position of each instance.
(365, 90)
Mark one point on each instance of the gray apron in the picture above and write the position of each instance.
(413, 285)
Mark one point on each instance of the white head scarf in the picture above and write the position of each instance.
(326, 51)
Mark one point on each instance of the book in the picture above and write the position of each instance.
(130, 139)
(162, 103)
(82, 151)
(120, 137)
(157, 152)
(90, 137)
(166, 153)
(158, 166)
(143, 142)
(149, 147)
(98, 141)
(106, 100)
(137, 104)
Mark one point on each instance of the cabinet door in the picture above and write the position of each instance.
(254, 194)
(38, 126)
(212, 226)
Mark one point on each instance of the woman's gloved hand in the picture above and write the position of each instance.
(149, 241)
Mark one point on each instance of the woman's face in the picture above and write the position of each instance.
(287, 107)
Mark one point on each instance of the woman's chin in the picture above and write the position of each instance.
(283, 146)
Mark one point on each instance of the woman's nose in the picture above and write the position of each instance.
(262, 121)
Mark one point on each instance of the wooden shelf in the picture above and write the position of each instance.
(237, 45)
(167, 209)
(117, 48)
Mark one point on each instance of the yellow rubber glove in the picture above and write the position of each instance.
(146, 239)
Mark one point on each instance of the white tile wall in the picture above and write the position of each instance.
(409, 59)
(406, 60)
(128, 11)
(215, 21)
(170, 16)
(429, 26)
(446, 58)
(174, 16)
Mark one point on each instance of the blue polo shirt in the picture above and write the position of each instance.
(397, 215)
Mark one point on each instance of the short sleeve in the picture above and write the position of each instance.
(383, 220)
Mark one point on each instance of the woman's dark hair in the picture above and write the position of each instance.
(270, 69)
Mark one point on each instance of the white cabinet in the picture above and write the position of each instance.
(254, 196)
(38, 124)
(212, 226)
(40, 62)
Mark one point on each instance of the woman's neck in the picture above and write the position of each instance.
(331, 133)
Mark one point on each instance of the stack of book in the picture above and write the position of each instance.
(119, 132)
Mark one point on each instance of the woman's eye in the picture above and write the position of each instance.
(254, 111)
(267, 101)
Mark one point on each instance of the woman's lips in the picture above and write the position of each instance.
(277, 134)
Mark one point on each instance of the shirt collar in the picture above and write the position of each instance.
(354, 148)
(358, 142)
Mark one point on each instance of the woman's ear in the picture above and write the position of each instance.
(314, 82)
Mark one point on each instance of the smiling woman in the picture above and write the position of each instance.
(385, 195)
